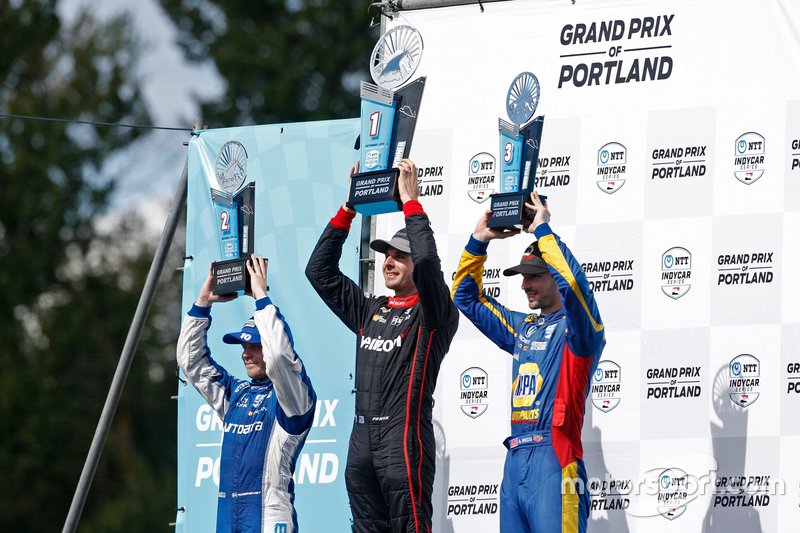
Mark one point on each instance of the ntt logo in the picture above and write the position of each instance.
(606, 385)
(474, 392)
(676, 272)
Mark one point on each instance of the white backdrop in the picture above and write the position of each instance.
(690, 238)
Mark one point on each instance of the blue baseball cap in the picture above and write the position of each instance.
(248, 334)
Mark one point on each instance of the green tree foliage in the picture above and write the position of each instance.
(282, 60)
(68, 291)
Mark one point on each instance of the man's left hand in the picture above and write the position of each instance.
(542, 215)
(257, 267)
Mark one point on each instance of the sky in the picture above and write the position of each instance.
(148, 171)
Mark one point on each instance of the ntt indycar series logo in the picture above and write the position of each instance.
(606, 385)
(474, 392)
(676, 272)
(744, 374)
(673, 493)
(749, 159)
(611, 163)
(481, 177)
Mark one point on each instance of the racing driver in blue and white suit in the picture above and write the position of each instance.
(266, 419)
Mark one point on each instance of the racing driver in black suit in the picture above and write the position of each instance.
(401, 341)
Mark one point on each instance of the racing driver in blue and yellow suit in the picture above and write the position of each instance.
(555, 353)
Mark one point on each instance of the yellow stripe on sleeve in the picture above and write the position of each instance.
(556, 259)
(472, 266)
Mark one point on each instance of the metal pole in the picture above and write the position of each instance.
(409, 5)
(126, 358)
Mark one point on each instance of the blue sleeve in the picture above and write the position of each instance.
(586, 334)
(493, 319)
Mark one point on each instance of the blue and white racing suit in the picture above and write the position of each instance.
(265, 422)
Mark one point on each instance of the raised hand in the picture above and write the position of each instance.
(257, 267)
(484, 233)
(407, 184)
(207, 297)
(542, 213)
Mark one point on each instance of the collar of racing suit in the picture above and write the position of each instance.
(410, 301)
(545, 318)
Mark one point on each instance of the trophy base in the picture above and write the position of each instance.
(230, 276)
(509, 211)
(373, 193)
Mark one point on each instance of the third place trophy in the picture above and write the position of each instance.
(519, 154)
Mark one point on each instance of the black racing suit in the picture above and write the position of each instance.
(400, 346)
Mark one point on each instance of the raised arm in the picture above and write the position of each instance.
(210, 379)
(284, 368)
(492, 318)
(341, 294)
(434, 295)
(587, 333)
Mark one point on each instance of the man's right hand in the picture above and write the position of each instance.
(542, 213)
(207, 296)
(353, 171)
(484, 233)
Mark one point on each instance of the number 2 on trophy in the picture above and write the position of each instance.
(374, 122)
(508, 153)
(224, 224)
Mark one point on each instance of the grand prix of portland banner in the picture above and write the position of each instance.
(671, 158)
(299, 172)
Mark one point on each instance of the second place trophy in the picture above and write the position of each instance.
(234, 207)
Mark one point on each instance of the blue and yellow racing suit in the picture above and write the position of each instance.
(554, 357)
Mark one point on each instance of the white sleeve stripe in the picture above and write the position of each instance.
(193, 359)
(284, 368)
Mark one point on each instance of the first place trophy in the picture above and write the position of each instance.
(234, 208)
(388, 120)
(519, 154)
